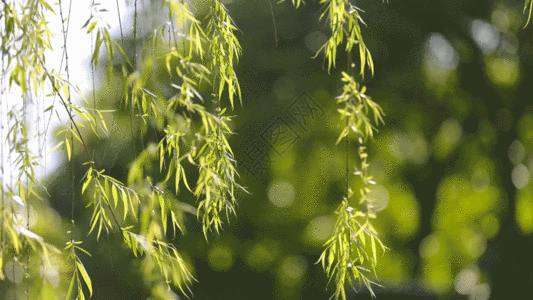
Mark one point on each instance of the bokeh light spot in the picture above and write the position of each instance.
(524, 211)
(14, 271)
(411, 147)
(520, 176)
(480, 292)
(485, 36)
(447, 137)
(285, 89)
(315, 40)
(50, 271)
(220, 258)
(477, 245)
(490, 225)
(281, 193)
(320, 228)
(261, 254)
(378, 197)
(500, 20)
(466, 281)
(429, 246)
(292, 269)
(503, 70)
(516, 152)
(442, 52)
(480, 180)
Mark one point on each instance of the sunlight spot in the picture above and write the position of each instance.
(466, 280)
(490, 225)
(410, 146)
(378, 197)
(220, 258)
(320, 228)
(504, 70)
(14, 271)
(429, 246)
(285, 89)
(152, 148)
(500, 20)
(262, 254)
(480, 180)
(524, 212)
(480, 292)
(442, 52)
(477, 245)
(21, 216)
(485, 36)
(516, 152)
(447, 137)
(509, 43)
(292, 269)
(315, 40)
(50, 272)
(520, 176)
(281, 193)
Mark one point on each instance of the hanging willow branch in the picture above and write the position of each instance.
(351, 252)
(194, 137)
(344, 19)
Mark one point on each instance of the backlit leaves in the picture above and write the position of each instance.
(351, 252)
(80, 276)
(344, 19)
(161, 256)
(102, 35)
(528, 6)
(359, 109)
(180, 13)
(224, 51)
(216, 184)
(108, 193)
(296, 3)
(194, 138)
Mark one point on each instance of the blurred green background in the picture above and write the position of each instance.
(452, 163)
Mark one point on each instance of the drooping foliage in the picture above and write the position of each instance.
(193, 155)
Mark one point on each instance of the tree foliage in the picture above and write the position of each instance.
(194, 154)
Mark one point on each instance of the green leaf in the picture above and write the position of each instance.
(94, 59)
(85, 184)
(67, 145)
(85, 276)
(530, 3)
(124, 202)
(93, 25)
(115, 194)
(123, 53)
(163, 212)
(71, 286)
(374, 251)
(185, 179)
(109, 48)
(82, 250)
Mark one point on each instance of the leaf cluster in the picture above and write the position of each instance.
(224, 50)
(344, 19)
(80, 276)
(357, 110)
